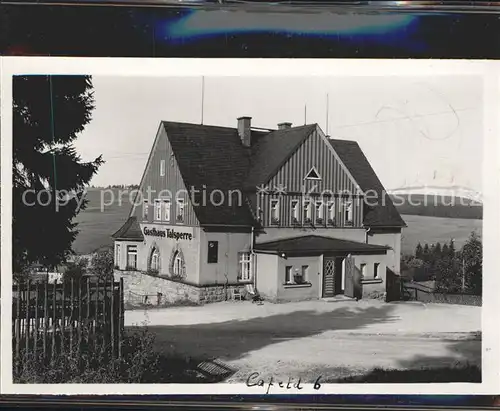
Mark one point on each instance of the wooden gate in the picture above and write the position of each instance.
(328, 277)
(349, 277)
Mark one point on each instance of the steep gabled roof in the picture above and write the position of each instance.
(131, 230)
(382, 213)
(213, 158)
(271, 151)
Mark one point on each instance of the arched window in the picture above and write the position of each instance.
(154, 263)
(177, 264)
(177, 268)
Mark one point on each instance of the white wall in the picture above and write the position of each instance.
(230, 244)
(392, 240)
(267, 275)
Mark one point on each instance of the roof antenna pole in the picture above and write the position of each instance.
(305, 114)
(327, 104)
(202, 96)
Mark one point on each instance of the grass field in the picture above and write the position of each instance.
(96, 226)
(425, 229)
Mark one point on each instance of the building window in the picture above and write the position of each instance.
(180, 210)
(118, 254)
(132, 257)
(307, 211)
(288, 274)
(162, 168)
(166, 210)
(177, 265)
(303, 277)
(275, 212)
(348, 213)
(213, 252)
(145, 205)
(363, 270)
(245, 261)
(157, 210)
(319, 212)
(295, 212)
(331, 212)
(155, 260)
(375, 270)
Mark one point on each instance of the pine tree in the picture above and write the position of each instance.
(426, 252)
(419, 251)
(438, 251)
(472, 257)
(48, 114)
(445, 251)
(451, 248)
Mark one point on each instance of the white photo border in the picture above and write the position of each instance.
(488, 70)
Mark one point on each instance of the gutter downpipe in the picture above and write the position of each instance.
(366, 234)
(252, 257)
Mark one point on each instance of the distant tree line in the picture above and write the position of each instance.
(446, 207)
(453, 271)
(121, 186)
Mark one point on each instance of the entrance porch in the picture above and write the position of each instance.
(315, 267)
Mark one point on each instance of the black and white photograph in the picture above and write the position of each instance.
(266, 234)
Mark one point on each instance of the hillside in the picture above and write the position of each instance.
(438, 206)
(97, 224)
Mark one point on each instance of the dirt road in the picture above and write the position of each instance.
(314, 338)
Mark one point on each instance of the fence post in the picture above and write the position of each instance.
(79, 330)
(35, 346)
(63, 313)
(54, 316)
(71, 319)
(18, 322)
(113, 312)
(27, 318)
(45, 318)
(96, 312)
(121, 317)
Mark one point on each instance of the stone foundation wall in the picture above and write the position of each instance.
(144, 289)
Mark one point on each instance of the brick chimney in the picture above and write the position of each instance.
(284, 126)
(244, 124)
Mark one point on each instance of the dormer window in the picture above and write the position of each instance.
(313, 174)
(275, 212)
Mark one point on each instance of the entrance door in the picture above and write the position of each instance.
(328, 277)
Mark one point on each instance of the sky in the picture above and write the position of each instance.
(413, 130)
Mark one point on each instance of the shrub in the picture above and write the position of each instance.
(102, 263)
(139, 363)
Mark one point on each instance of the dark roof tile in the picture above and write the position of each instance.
(380, 210)
(318, 244)
(131, 230)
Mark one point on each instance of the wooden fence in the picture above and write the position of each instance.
(49, 319)
(418, 292)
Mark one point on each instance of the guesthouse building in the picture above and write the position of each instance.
(290, 211)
